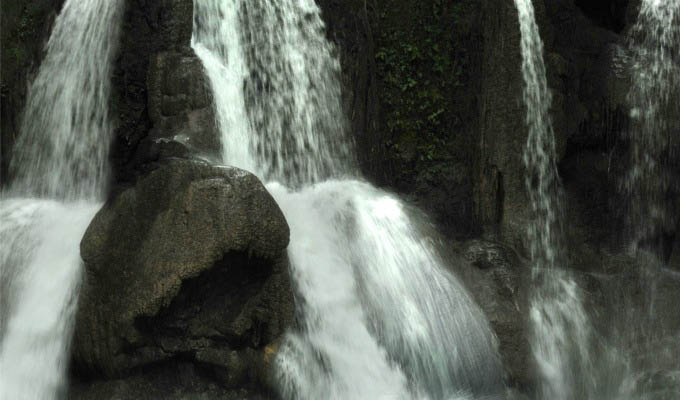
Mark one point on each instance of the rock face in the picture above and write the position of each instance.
(497, 278)
(163, 101)
(464, 166)
(349, 27)
(189, 265)
(410, 93)
(501, 200)
(180, 109)
(179, 381)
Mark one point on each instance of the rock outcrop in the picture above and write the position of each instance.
(181, 109)
(163, 100)
(189, 265)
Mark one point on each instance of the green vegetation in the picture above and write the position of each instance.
(420, 64)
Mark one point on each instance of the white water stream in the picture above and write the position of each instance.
(560, 330)
(59, 172)
(655, 101)
(380, 315)
(651, 187)
(574, 361)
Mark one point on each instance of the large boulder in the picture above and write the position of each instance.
(188, 265)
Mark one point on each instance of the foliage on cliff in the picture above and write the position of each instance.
(425, 63)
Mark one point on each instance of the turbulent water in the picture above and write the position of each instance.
(560, 330)
(59, 173)
(380, 316)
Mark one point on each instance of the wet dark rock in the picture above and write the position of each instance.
(348, 26)
(174, 381)
(418, 140)
(187, 265)
(502, 132)
(609, 14)
(180, 108)
(588, 74)
(157, 70)
(497, 279)
(487, 255)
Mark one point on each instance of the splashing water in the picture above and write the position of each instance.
(60, 158)
(561, 332)
(380, 317)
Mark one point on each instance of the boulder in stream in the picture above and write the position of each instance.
(188, 267)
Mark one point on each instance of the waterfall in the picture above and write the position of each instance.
(62, 150)
(561, 332)
(58, 173)
(279, 92)
(655, 104)
(379, 314)
(651, 187)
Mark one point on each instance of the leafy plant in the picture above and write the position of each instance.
(419, 68)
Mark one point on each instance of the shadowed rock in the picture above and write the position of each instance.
(497, 278)
(180, 108)
(187, 265)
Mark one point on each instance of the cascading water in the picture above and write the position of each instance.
(562, 339)
(561, 332)
(285, 73)
(651, 188)
(380, 317)
(62, 150)
(655, 101)
(58, 175)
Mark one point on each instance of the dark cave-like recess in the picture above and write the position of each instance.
(609, 14)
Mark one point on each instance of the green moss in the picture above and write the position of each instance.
(420, 64)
